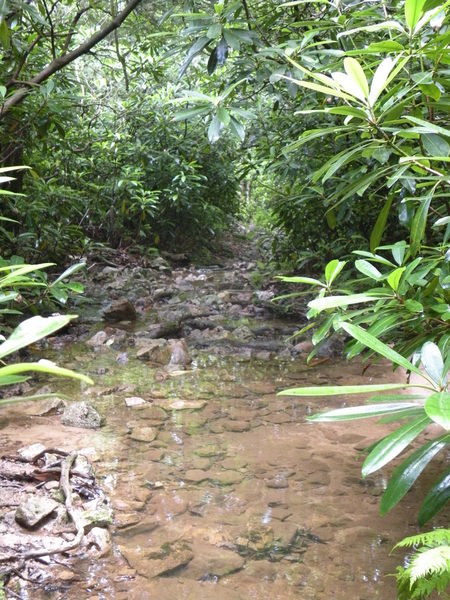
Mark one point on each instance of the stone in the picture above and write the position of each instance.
(134, 401)
(52, 406)
(195, 476)
(214, 562)
(178, 404)
(155, 562)
(82, 414)
(100, 541)
(98, 339)
(30, 453)
(278, 482)
(157, 351)
(179, 353)
(142, 434)
(163, 330)
(96, 514)
(237, 426)
(227, 478)
(120, 310)
(34, 510)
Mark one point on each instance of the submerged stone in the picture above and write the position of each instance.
(82, 414)
(120, 310)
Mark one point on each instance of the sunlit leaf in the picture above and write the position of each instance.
(437, 407)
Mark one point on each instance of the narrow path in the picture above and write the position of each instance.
(220, 489)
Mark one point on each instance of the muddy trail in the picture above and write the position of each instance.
(218, 487)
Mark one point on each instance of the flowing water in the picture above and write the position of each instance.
(232, 496)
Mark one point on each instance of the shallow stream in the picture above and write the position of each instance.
(220, 488)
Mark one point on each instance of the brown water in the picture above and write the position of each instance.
(237, 497)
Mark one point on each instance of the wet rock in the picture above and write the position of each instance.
(123, 520)
(98, 339)
(157, 351)
(160, 264)
(196, 476)
(155, 562)
(237, 426)
(82, 414)
(29, 453)
(179, 353)
(227, 478)
(34, 510)
(142, 433)
(53, 406)
(234, 462)
(120, 310)
(96, 514)
(278, 482)
(214, 562)
(178, 404)
(99, 542)
(163, 330)
(134, 401)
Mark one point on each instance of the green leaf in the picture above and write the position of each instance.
(437, 407)
(190, 113)
(363, 412)
(368, 269)
(379, 347)
(328, 91)
(32, 330)
(308, 280)
(195, 49)
(432, 362)
(215, 31)
(427, 127)
(380, 79)
(413, 12)
(435, 145)
(70, 271)
(223, 115)
(43, 366)
(419, 224)
(437, 498)
(355, 71)
(406, 474)
(214, 129)
(393, 444)
(332, 270)
(339, 390)
(394, 278)
(337, 301)
(429, 89)
(237, 128)
(20, 271)
(380, 224)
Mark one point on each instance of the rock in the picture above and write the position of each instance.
(196, 475)
(134, 401)
(142, 434)
(53, 406)
(227, 478)
(215, 562)
(120, 310)
(237, 426)
(163, 330)
(278, 482)
(82, 414)
(160, 264)
(178, 404)
(96, 514)
(34, 510)
(155, 562)
(98, 339)
(155, 351)
(30, 453)
(100, 538)
(179, 353)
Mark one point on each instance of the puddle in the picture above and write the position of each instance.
(233, 496)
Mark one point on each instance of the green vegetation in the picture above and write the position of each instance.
(153, 127)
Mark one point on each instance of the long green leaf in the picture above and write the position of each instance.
(393, 444)
(70, 271)
(32, 330)
(419, 224)
(308, 280)
(380, 224)
(328, 91)
(371, 342)
(437, 498)
(368, 411)
(43, 366)
(339, 390)
(413, 12)
(406, 474)
(337, 301)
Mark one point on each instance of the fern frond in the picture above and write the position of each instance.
(429, 562)
(437, 537)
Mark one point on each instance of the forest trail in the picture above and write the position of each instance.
(220, 490)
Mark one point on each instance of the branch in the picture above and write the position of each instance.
(64, 60)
